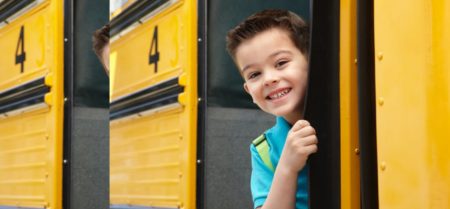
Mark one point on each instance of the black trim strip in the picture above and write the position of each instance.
(202, 94)
(68, 101)
(324, 172)
(11, 7)
(132, 14)
(23, 96)
(366, 105)
(156, 96)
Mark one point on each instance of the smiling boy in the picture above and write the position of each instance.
(270, 49)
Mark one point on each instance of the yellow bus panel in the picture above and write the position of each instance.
(31, 75)
(350, 164)
(153, 150)
(146, 162)
(28, 36)
(413, 103)
(165, 34)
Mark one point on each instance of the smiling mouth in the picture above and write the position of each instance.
(279, 94)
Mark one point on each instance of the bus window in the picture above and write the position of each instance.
(86, 110)
(116, 4)
(11, 9)
(232, 120)
(91, 84)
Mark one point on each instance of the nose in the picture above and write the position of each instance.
(271, 78)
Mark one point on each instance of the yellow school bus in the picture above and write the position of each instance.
(378, 97)
(397, 75)
(41, 111)
(31, 104)
(153, 104)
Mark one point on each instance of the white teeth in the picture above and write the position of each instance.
(279, 94)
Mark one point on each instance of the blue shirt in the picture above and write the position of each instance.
(262, 176)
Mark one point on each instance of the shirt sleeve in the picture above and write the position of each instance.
(261, 179)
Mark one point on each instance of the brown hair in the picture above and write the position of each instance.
(294, 25)
(100, 39)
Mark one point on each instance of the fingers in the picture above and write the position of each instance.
(300, 143)
(303, 136)
(300, 124)
(306, 146)
(311, 149)
(303, 132)
(304, 143)
(309, 140)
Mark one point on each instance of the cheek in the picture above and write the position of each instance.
(300, 74)
(253, 91)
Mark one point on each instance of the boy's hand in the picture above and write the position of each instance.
(300, 143)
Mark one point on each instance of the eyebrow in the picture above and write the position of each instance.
(270, 56)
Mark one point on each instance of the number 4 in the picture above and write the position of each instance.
(154, 58)
(20, 58)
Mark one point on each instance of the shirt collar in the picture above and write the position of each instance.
(280, 130)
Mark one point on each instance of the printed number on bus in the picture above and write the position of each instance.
(20, 58)
(154, 58)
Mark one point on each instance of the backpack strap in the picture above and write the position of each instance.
(262, 147)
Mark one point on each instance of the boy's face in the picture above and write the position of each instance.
(275, 73)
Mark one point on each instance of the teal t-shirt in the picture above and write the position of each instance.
(262, 176)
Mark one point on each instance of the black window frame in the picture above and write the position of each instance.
(9, 8)
(134, 13)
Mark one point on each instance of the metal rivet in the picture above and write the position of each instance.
(199, 161)
(380, 56)
(383, 166)
(356, 151)
(381, 101)
(356, 61)
(199, 40)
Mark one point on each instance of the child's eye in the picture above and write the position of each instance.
(253, 75)
(280, 63)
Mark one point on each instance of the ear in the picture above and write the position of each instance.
(246, 88)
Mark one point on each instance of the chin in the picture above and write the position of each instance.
(280, 112)
(284, 110)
